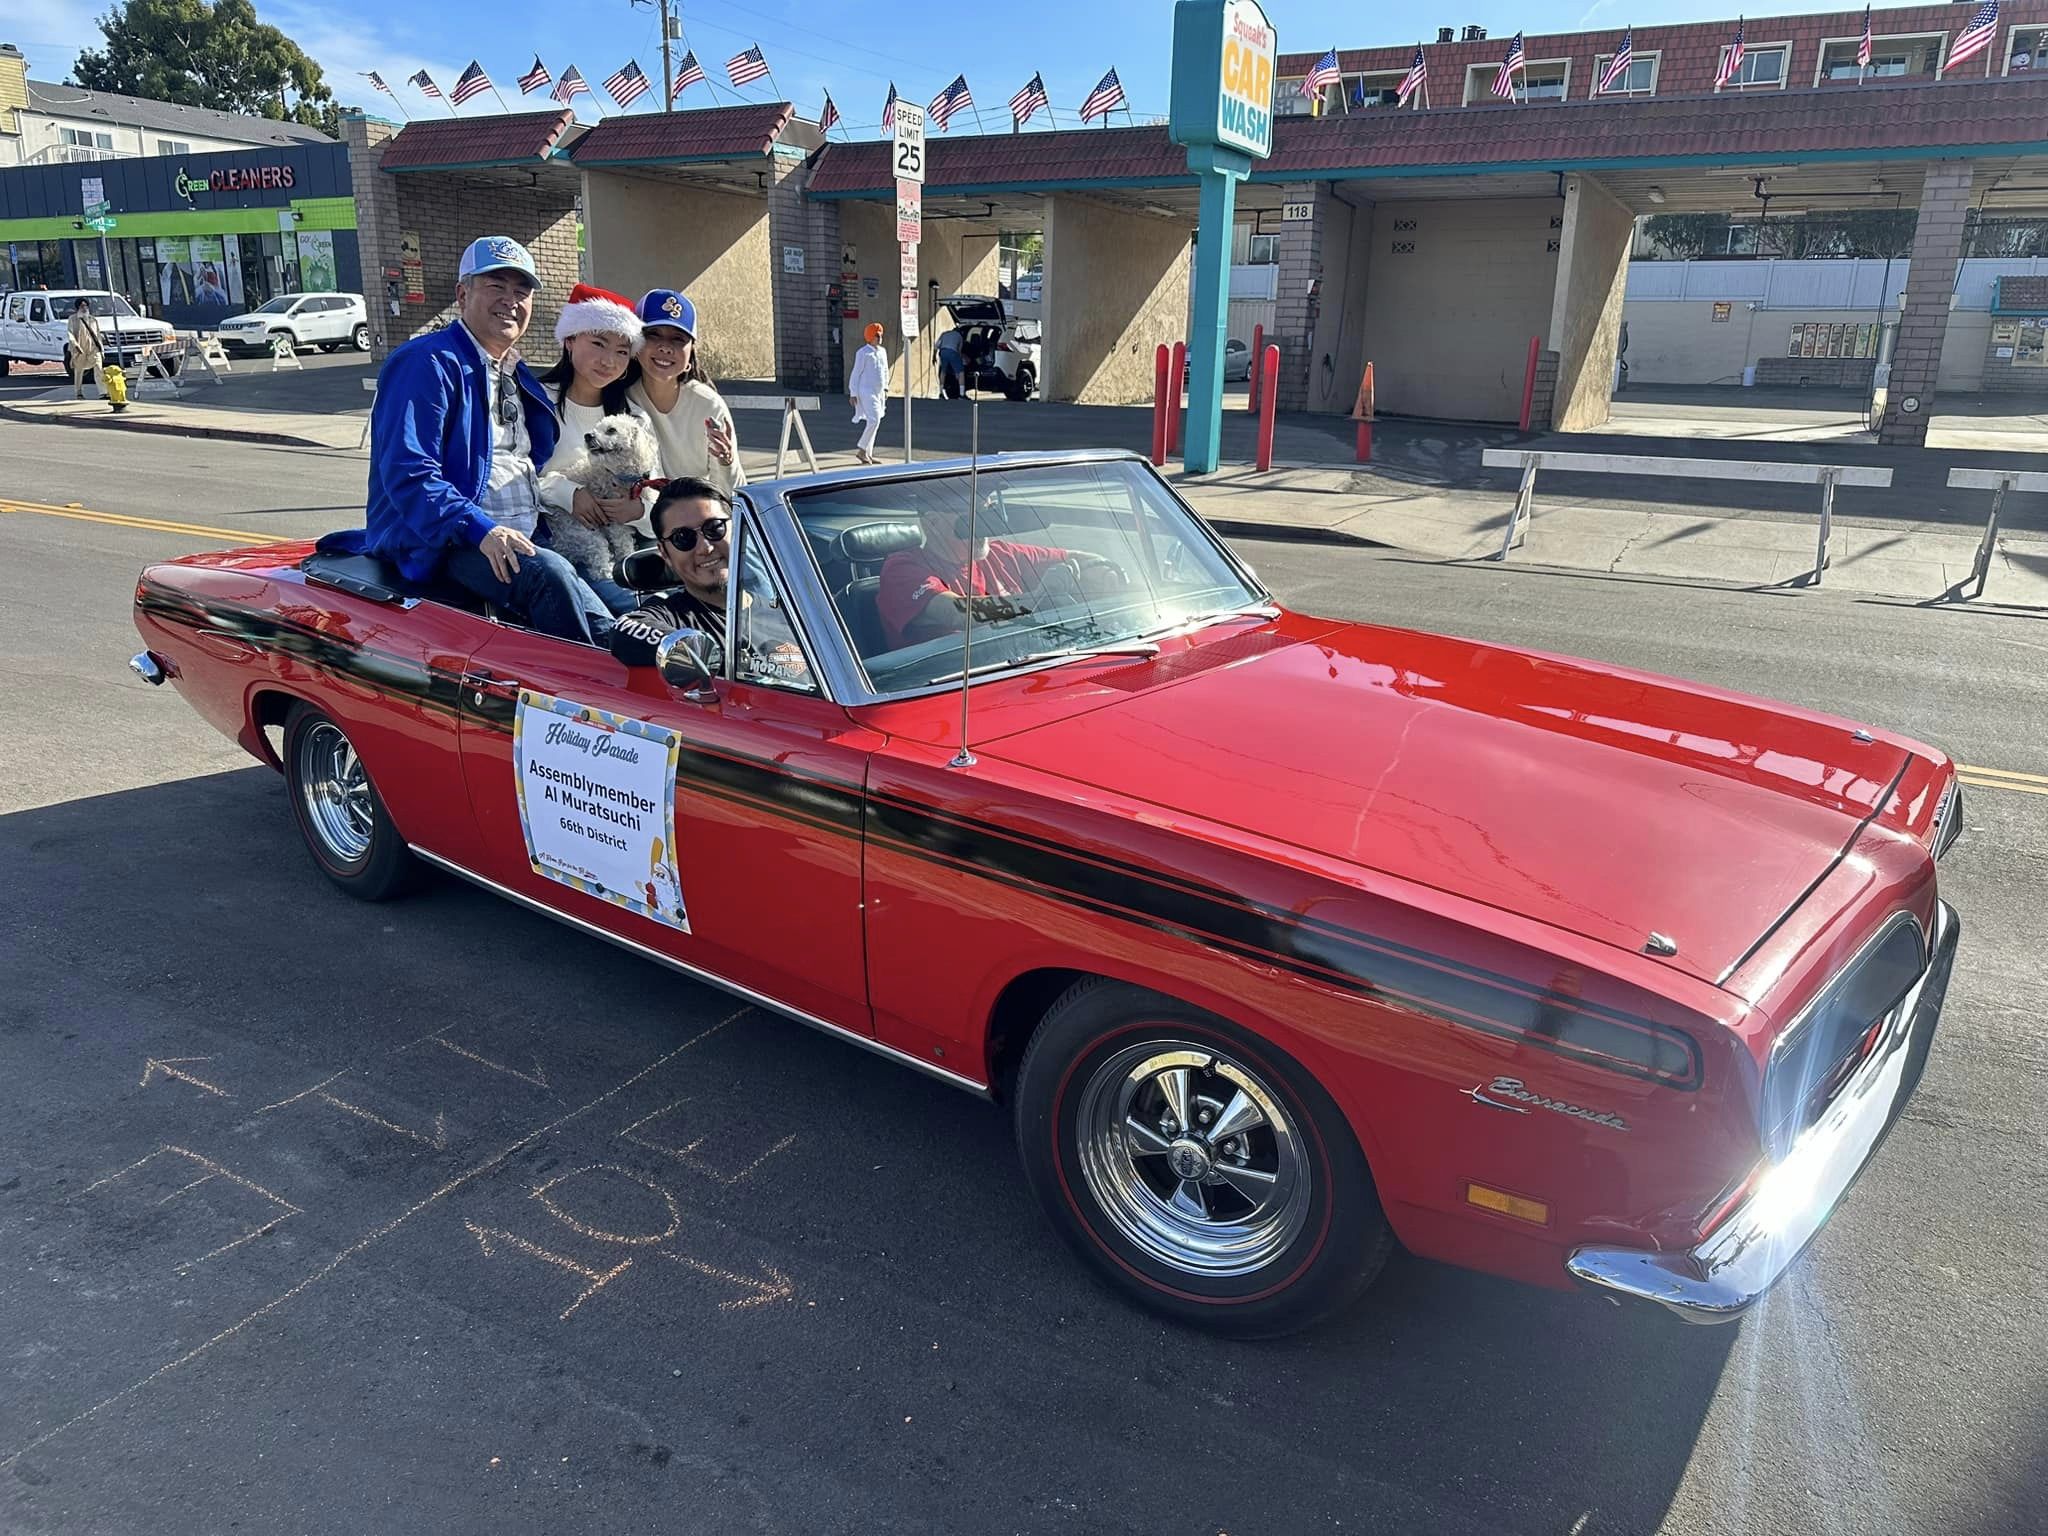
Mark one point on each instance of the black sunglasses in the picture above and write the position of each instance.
(507, 392)
(683, 540)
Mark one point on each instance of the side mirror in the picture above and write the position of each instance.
(684, 660)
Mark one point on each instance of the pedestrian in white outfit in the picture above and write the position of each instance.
(88, 352)
(869, 387)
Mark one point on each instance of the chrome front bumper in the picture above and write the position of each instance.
(1719, 1280)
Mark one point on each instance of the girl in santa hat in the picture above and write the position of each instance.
(600, 335)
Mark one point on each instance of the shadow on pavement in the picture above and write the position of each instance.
(915, 1352)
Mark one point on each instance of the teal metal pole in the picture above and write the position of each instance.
(1219, 170)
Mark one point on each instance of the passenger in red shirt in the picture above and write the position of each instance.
(925, 592)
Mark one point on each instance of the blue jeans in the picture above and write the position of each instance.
(620, 599)
(545, 591)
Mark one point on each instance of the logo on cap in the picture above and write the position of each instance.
(498, 248)
(672, 307)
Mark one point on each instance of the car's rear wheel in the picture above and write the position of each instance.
(359, 338)
(1199, 1170)
(339, 811)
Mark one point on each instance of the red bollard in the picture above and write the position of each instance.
(1177, 376)
(1365, 442)
(1159, 365)
(1529, 380)
(1258, 351)
(1269, 388)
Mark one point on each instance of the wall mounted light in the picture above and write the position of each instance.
(1656, 194)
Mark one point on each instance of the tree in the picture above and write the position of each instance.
(201, 54)
(1687, 236)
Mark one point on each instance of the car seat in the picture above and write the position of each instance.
(863, 548)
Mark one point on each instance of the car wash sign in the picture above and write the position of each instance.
(1224, 57)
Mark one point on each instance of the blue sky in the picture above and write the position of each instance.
(920, 44)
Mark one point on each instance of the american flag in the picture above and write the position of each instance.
(744, 67)
(426, 84)
(1863, 47)
(1617, 67)
(829, 116)
(1731, 58)
(689, 73)
(535, 78)
(1976, 37)
(1107, 96)
(1504, 82)
(1025, 104)
(949, 101)
(629, 84)
(889, 107)
(1414, 80)
(471, 82)
(1324, 73)
(570, 86)
(377, 82)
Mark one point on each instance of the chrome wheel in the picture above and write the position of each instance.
(1193, 1158)
(335, 789)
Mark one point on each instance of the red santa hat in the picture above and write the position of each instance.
(597, 309)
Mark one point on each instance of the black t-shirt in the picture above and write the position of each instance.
(635, 635)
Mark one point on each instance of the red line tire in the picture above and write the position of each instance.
(339, 812)
(1196, 1168)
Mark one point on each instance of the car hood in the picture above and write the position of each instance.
(1608, 803)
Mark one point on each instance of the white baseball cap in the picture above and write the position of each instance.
(496, 253)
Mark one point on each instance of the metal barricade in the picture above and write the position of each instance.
(792, 408)
(1827, 476)
(1998, 482)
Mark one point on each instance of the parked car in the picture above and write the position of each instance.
(1282, 938)
(33, 325)
(1000, 352)
(1237, 363)
(324, 320)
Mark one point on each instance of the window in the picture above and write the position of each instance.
(1762, 68)
(38, 312)
(1263, 250)
(771, 654)
(1542, 80)
(86, 138)
(1639, 79)
(173, 147)
(1891, 58)
(2024, 51)
(1362, 92)
(1288, 100)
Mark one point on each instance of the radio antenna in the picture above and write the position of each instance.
(965, 758)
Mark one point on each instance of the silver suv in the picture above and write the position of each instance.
(997, 350)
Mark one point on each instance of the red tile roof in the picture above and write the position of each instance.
(519, 138)
(714, 133)
(1914, 117)
(1074, 157)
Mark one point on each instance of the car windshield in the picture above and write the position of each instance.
(276, 306)
(1072, 559)
(106, 305)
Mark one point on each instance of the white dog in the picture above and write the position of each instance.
(607, 461)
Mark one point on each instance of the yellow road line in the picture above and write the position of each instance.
(2018, 789)
(1971, 770)
(153, 524)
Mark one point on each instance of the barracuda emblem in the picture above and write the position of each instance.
(1512, 1088)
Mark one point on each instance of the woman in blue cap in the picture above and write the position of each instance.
(693, 424)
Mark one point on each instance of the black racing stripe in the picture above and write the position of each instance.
(1550, 1020)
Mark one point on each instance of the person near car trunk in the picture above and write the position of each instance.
(869, 387)
(952, 367)
(88, 352)
(458, 425)
(673, 391)
(599, 335)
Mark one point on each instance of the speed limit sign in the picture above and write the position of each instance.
(909, 143)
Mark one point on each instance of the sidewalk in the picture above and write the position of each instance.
(1425, 493)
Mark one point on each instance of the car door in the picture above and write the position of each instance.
(45, 340)
(764, 826)
(323, 327)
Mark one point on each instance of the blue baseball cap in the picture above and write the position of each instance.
(496, 253)
(664, 306)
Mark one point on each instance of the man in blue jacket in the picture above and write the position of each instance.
(457, 433)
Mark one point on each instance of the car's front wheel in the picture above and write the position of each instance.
(1199, 1170)
(339, 811)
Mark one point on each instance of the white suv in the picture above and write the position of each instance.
(323, 320)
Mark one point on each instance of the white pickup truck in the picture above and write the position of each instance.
(33, 321)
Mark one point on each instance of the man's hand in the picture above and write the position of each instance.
(719, 437)
(619, 509)
(502, 547)
(987, 609)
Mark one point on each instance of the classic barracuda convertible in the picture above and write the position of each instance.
(1282, 938)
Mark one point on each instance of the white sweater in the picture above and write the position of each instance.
(685, 450)
(559, 491)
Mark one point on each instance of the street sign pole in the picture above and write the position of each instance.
(907, 161)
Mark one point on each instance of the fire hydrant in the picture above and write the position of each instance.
(116, 384)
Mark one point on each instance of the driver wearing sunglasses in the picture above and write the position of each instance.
(692, 519)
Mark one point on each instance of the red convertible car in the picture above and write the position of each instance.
(1282, 938)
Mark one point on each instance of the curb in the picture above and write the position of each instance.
(165, 429)
(1295, 533)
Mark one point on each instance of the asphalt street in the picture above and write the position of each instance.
(437, 1217)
